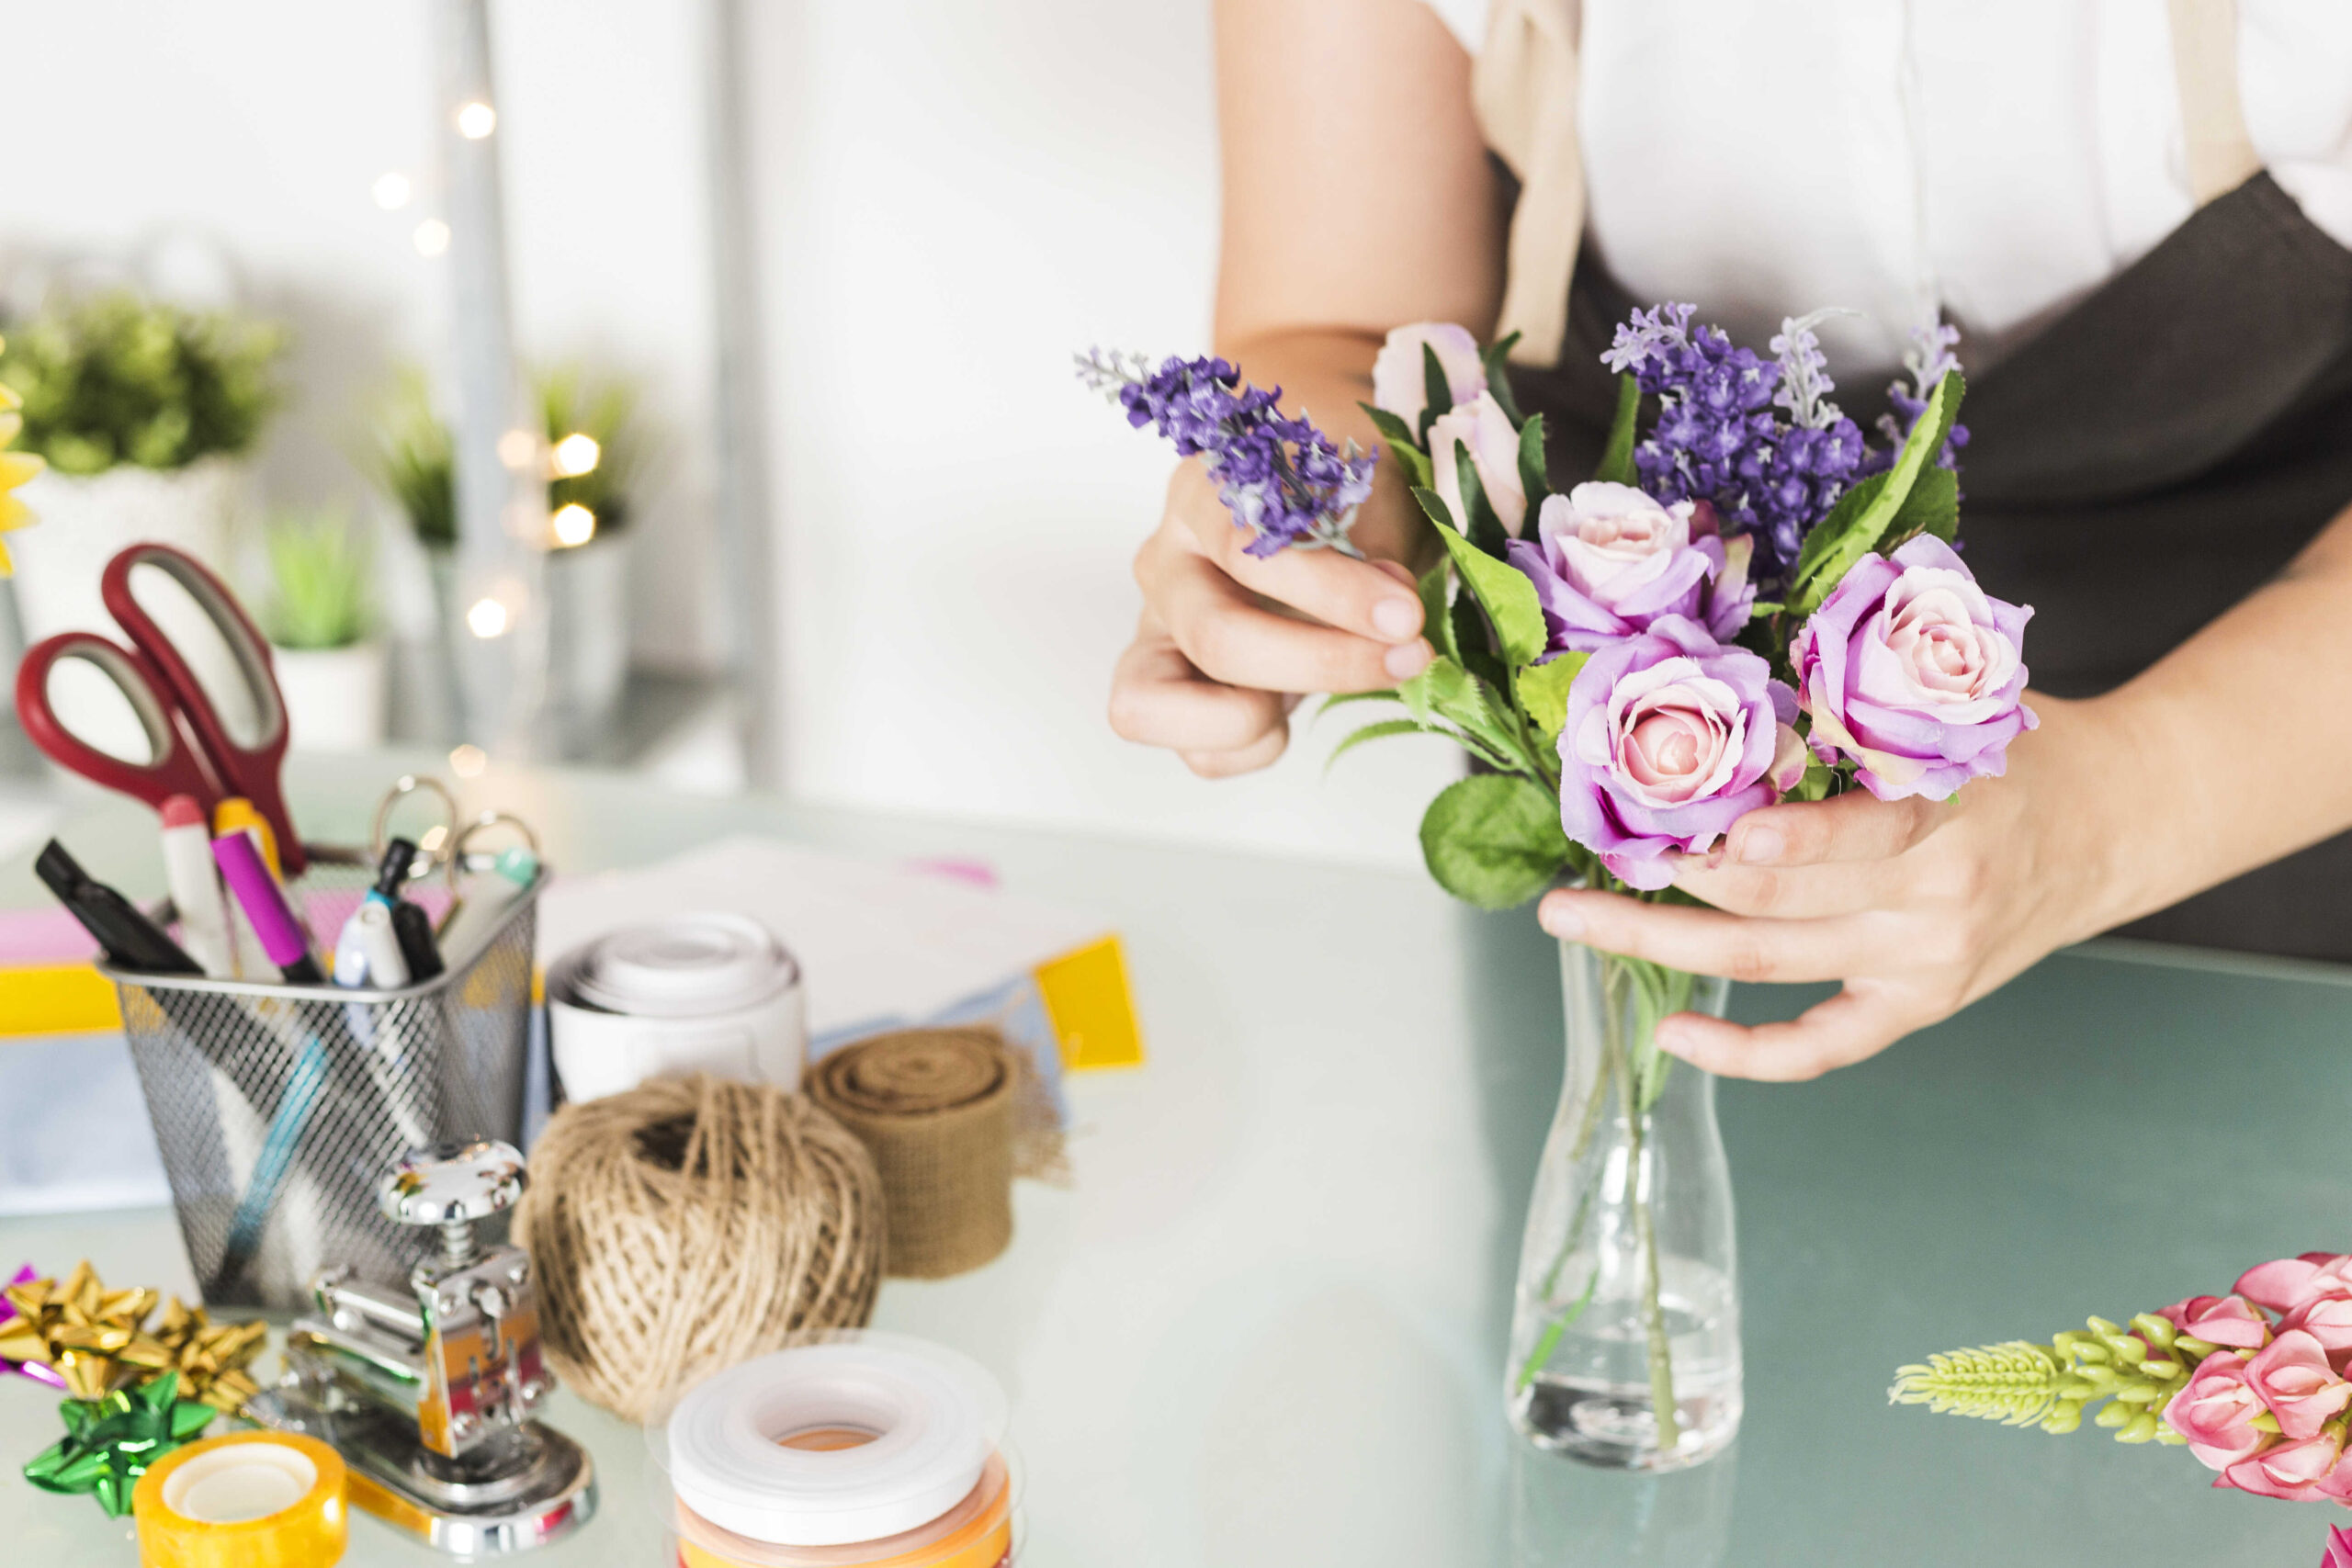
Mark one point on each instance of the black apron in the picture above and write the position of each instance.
(2134, 470)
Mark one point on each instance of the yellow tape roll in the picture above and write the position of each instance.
(247, 1500)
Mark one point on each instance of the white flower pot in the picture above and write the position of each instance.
(81, 522)
(334, 697)
(587, 589)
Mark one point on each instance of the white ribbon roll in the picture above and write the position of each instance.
(930, 1416)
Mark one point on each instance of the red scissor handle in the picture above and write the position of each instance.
(249, 770)
(172, 767)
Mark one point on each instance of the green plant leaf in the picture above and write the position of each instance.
(1932, 507)
(1495, 361)
(1534, 478)
(1543, 691)
(1857, 538)
(1474, 640)
(1833, 527)
(1437, 624)
(1339, 699)
(1617, 456)
(1445, 690)
(1397, 438)
(1486, 529)
(1507, 597)
(1494, 839)
(1437, 393)
(1819, 776)
(1379, 731)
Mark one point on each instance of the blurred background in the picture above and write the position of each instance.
(784, 293)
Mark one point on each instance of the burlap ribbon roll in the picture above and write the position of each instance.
(688, 1224)
(937, 1108)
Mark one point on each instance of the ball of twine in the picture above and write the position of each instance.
(691, 1223)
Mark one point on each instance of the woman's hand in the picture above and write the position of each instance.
(1918, 906)
(1228, 641)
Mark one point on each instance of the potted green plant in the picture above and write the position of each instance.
(318, 618)
(593, 452)
(144, 414)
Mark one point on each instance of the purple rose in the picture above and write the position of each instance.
(1669, 740)
(1911, 670)
(1607, 560)
(1400, 377)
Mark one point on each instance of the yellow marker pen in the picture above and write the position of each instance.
(236, 813)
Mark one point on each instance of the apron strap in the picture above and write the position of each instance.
(2212, 118)
(1524, 91)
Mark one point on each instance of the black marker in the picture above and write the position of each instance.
(411, 926)
(132, 941)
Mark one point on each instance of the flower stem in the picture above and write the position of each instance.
(1615, 982)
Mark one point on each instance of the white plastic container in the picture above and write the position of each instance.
(713, 993)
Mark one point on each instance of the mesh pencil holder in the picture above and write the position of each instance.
(278, 1109)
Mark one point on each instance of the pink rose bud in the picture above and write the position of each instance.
(2220, 1320)
(1399, 382)
(2292, 1471)
(2339, 1537)
(2215, 1412)
(2291, 1282)
(1483, 428)
(2292, 1376)
(2329, 1322)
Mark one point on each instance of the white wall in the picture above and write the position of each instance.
(952, 197)
(256, 128)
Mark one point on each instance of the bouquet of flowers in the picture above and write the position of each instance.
(1749, 600)
(2253, 1383)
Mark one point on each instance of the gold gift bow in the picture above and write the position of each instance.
(97, 1340)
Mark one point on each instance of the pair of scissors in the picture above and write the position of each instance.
(189, 750)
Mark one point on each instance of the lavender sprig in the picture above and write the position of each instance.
(1282, 478)
(1717, 439)
(1929, 357)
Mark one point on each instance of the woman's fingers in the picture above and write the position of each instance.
(1854, 827)
(1375, 600)
(1158, 698)
(1858, 1022)
(1709, 941)
(1220, 629)
(1800, 893)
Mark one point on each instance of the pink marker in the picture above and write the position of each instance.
(282, 936)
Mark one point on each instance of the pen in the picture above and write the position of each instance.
(282, 938)
(132, 941)
(194, 883)
(236, 815)
(368, 954)
(411, 926)
(484, 897)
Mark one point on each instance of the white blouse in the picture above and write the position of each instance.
(1991, 160)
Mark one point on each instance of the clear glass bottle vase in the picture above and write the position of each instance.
(1628, 1297)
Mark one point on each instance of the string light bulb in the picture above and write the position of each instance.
(468, 760)
(487, 619)
(391, 190)
(518, 449)
(432, 237)
(577, 454)
(476, 120)
(573, 525)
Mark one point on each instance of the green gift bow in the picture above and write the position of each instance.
(110, 1441)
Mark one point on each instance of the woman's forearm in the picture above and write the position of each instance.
(2237, 747)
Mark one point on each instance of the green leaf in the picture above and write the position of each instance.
(1507, 597)
(1857, 537)
(1339, 698)
(1833, 527)
(1819, 776)
(1932, 507)
(1494, 839)
(1763, 607)
(1543, 691)
(1437, 392)
(1398, 438)
(1486, 528)
(1496, 363)
(1447, 691)
(1617, 457)
(1534, 477)
(1379, 731)
(1474, 640)
(1437, 627)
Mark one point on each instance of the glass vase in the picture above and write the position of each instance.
(1625, 1344)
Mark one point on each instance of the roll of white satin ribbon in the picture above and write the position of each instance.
(828, 1444)
(714, 993)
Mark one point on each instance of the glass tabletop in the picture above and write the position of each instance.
(1265, 1323)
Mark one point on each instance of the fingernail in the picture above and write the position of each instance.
(1396, 618)
(1761, 846)
(1562, 922)
(1408, 659)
